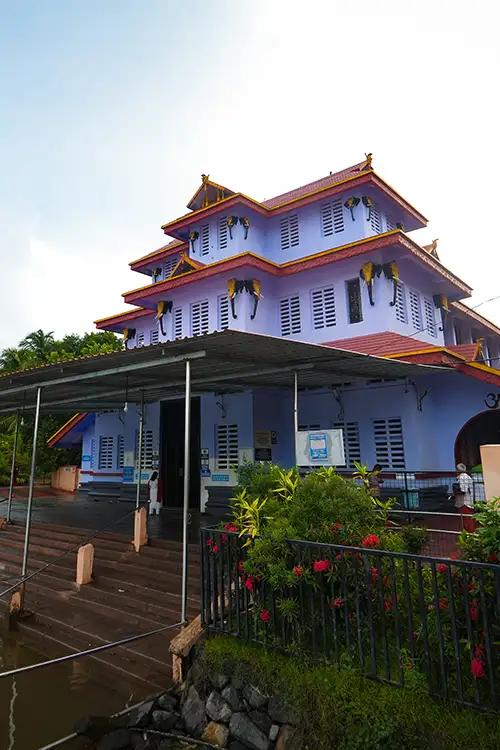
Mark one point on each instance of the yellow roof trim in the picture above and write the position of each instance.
(333, 250)
(168, 247)
(199, 211)
(119, 315)
(485, 368)
(431, 350)
(63, 426)
(212, 184)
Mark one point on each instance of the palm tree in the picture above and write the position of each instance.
(40, 343)
(12, 359)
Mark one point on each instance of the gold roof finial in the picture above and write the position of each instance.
(432, 249)
(367, 164)
(205, 178)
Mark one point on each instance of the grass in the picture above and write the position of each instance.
(341, 709)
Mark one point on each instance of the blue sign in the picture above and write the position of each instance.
(86, 458)
(220, 477)
(205, 471)
(128, 473)
(318, 446)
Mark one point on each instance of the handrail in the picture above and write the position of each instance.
(88, 651)
(66, 552)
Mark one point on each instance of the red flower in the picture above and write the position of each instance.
(215, 548)
(372, 540)
(474, 610)
(210, 543)
(336, 527)
(477, 668)
(493, 557)
(339, 556)
(230, 527)
(443, 603)
(321, 566)
(298, 571)
(249, 583)
(374, 574)
(454, 555)
(388, 605)
(223, 539)
(441, 568)
(265, 615)
(336, 603)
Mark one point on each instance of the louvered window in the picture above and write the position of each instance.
(223, 312)
(390, 223)
(106, 452)
(332, 217)
(223, 233)
(354, 305)
(177, 323)
(140, 339)
(169, 265)
(154, 336)
(323, 307)
(352, 448)
(226, 446)
(290, 315)
(120, 452)
(415, 310)
(199, 318)
(430, 317)
(400, 305)
(147, 449)
(389, 445)
(289, 231)
(205, 239)
(92, 453)
(375, 220)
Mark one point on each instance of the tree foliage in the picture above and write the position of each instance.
(35, 349)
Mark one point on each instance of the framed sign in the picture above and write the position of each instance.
(320, 448)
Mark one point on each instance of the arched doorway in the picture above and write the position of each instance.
(483, 429)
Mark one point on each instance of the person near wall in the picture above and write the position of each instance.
(375, 480)
(464, 496)
(154, 505)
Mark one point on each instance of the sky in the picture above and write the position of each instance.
(111, 110)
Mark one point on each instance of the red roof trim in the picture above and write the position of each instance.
(121, 318)
(491, 378)
(67, 427)
(163, 252)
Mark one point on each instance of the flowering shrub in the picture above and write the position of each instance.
(484, 543)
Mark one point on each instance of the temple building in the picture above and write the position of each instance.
(333, 263)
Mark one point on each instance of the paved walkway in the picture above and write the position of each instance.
(80, 511)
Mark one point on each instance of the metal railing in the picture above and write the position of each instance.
(398, 616)
(424, 490)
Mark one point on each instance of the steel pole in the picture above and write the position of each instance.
(30, 495)
(295, 411)
(185, 514)
(13, 468)
(141, 438)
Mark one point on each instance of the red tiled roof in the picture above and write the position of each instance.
(469, 351)
(380, 344)
(311, 187)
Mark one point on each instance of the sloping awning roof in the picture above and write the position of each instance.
(223, 361)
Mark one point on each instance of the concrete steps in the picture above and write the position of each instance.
(131, 593)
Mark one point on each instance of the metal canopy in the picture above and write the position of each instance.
(224, 361)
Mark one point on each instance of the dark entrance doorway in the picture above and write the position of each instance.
(483, 429)
(172, 453)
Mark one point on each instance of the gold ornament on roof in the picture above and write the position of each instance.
(367, 164)
(432, 249)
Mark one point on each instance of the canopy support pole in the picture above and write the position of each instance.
(295, 411)
(30, 497)
(139, 462)
(185, 514)
(13, 468)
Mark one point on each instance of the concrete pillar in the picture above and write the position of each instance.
(490, 459)
(84, 564)
(140, 529)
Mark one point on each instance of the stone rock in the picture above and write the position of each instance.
(273, 732)
(261, 720)
(167, 702)
(216, 734)
(196, 675)
(139, 717)
(219, 681)
(142, 743)
(164, 721)
(217, 708)
(238, 683)
(94, 727)
(193, 712)
(290, 738)
(232, 696)
(255, 698)
(244, 730)
(118, 740)
(237, 746)
(281, 712)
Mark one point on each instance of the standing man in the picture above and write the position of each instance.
(464, 496)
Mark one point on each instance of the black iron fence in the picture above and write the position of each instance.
(424, 490)
(403, 618)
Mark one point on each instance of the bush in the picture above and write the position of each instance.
(484, 543)
(338, 708)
